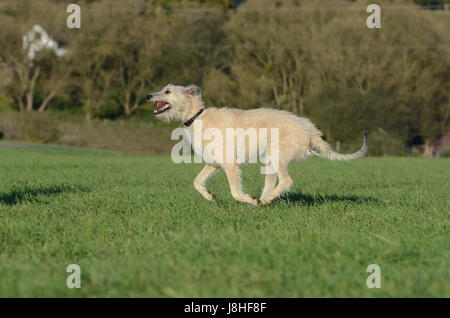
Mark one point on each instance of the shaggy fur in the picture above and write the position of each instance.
(298, 138)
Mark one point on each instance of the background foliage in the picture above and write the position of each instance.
(317, 59)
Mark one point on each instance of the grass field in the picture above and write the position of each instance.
(137, 227)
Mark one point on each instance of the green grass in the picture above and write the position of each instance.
(137, 227)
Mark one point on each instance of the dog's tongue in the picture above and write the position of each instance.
(161, 104)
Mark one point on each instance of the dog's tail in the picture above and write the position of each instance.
(325, 150)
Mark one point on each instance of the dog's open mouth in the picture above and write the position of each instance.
(161, 107)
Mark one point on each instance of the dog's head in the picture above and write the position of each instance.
(175, 102)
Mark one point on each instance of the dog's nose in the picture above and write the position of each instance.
(149, 96)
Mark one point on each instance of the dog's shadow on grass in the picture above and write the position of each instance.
(42, 194)
(310, 200)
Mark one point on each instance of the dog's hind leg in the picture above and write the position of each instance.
(200, 181)
(283, 186)
(233, 176)
(269, 184)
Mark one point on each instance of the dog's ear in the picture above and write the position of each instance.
(193, 90)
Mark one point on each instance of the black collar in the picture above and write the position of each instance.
(189, 122)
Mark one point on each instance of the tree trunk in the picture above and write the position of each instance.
(302, 106)
(430, 149)
(30, 92)
(275, 93)
(29, 98)
(21, 104)
(46, 101)
(126, 105)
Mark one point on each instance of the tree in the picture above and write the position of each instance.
(45, 74)
(271, 55)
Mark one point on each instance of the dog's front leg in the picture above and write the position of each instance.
(200, 181)
(233, 176)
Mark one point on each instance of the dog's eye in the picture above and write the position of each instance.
(167, 92)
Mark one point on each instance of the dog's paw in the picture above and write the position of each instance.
(263, 201)
(256, 202)
(210, 197)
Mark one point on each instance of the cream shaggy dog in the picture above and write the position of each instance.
(298, 138)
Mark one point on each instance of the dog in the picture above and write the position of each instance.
(298, 138)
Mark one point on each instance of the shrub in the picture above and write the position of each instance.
(383, 144)
(6, 103)
(30, 126)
